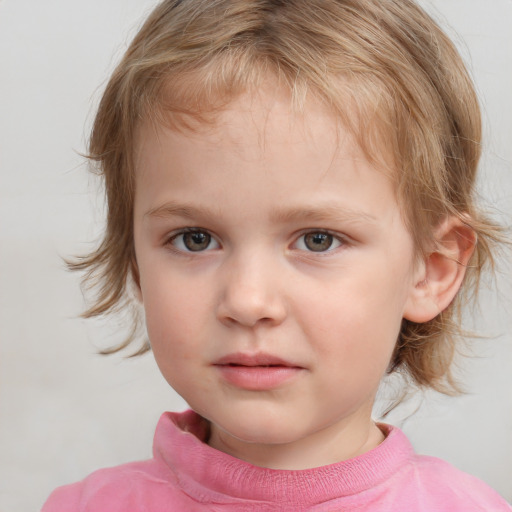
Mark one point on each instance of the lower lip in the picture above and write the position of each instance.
(258, 378)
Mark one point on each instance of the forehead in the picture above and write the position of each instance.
(272, 110)
(257, 154)
(257, 127)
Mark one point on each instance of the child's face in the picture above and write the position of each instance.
(268, 240)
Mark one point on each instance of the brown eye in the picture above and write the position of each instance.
(192, 240)
(318, 242)
(196, 240)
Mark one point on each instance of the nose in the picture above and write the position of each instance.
(251, 293)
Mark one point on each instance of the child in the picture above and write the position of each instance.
(290, 194)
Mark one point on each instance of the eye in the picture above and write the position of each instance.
(318, 241)
(193, 240)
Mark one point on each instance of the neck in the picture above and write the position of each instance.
(335, 443)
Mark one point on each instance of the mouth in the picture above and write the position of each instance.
(251, 360)
(257, 372)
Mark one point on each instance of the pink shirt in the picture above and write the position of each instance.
(185, 474)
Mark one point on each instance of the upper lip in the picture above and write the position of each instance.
(259, 359)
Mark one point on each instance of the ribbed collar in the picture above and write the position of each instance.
(208, 475)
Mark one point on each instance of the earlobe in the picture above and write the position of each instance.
(442, 271)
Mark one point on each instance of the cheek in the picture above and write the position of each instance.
(169, 312)
(355, 321)
(179, 317)
(170, 320)
(176, 337)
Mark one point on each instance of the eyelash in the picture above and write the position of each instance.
(175, 236)
(335, 239)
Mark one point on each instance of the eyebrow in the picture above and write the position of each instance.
(295, 214)
(322, 213)
(173, 209)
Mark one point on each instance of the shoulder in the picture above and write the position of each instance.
(143, 486)
(443, 487)
(113, 489)
(427, 484)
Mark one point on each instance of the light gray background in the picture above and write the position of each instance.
(64, 410)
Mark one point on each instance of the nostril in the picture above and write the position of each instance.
(251, 316)
(250, 295)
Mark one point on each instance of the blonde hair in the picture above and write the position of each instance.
(383, 67)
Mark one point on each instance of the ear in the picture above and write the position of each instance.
(440, 274)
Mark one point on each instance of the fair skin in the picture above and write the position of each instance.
(298, 259)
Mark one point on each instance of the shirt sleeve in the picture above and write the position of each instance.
(63, 499)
